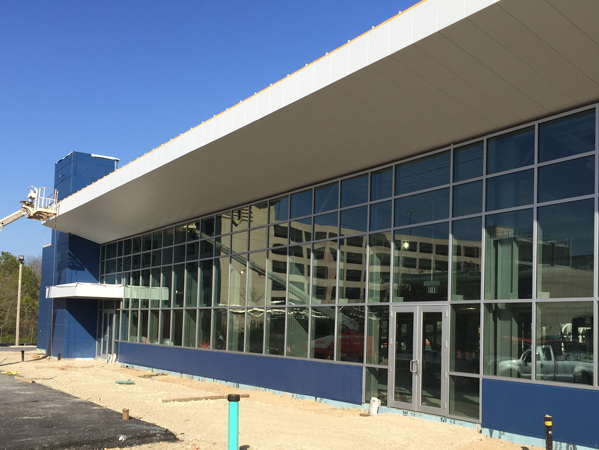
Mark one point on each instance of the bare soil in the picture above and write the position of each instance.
(267, 421)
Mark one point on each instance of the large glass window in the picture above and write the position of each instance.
(277, 277)
(275, 331)
(508, 334)
(324, 272)
(354, 191)
(424, 207)
(256, 278)
(422, 174)
(466, 259)
(468, 162)
(352, 270)
(236, 330)
(567, 136)
(350, 334)
(326, 198)
(508, 191)
(511, 150)
(299, 274)
(322, 339)
(421, 263)
(565, 250)
(567, 179)
(297, 332)
(255, 327)
(377, 340)
(468, 199)
(564, 346)
(465, 338)
(379, 267)
(508, 250)
(381, 184)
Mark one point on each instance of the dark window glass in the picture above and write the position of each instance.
(421, 174)
(567, 179)
(136, 244)
(156, 258)
(136, 262)
(167, 255)
(465, 339)
(147, 242)
(423, 207)
(180, 233)
(222, 223)
(350, 334)
(326, 198)
(278, 209)
(111, 250)
(146, 259)
(301, 204)
(205, 280)
(468, 199)
(206, 249)
(323, 333)
(381, 184)
(380, 216)
(468, 162)
(193, 251)
(567, 136)
(354, 220)
(179, 253)
(508, 191)
(168, 236)
(565, 250)
(127, 247)
(464, 397)
(207, 227)
(354, 191)
(157, 240)
(219, 329)
(278, 234)
(510, 151)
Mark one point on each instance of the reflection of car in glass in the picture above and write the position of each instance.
(573, 367)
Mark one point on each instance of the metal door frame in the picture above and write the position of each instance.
(111, 339)
(416, 365)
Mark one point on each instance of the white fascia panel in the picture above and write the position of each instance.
(322, 73)
(378, 44)
(450, 12)
(290, 93)
(425, 20)
(306, 81)
(339, 63)
(474, 6)
(400, 32)
(251, 107)
(358, 53)
(277, 96)
(238, 116)
(263, 104)
(228, 121)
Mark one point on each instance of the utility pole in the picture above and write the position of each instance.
(21, 261)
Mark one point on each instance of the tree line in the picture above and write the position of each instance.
(30, 289)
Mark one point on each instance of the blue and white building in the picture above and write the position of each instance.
(412, 217)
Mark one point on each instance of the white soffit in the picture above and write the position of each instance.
(86, 290)
(440, 73)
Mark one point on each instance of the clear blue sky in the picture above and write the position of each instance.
(120, 78)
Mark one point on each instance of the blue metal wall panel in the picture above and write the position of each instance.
(45, 305)
(521, 407)
(81, 329)
(319, 379)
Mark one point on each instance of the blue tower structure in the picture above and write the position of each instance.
(64, 324)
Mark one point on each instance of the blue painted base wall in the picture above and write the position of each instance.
(319, 379)
(520, 408)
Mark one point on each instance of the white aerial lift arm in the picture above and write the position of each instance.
(39, 206)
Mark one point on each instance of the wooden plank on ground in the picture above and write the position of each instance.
(197, 399)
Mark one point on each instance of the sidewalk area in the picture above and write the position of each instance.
(267, 421)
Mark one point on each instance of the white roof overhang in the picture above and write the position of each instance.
(86, 291)
(440, 73)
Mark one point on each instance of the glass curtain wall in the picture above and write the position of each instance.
(502, 230)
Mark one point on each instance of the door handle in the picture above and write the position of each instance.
(414, 366)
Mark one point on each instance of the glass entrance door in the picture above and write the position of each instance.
(418, 358)
(107, 347)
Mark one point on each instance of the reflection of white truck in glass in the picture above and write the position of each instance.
(569, 367)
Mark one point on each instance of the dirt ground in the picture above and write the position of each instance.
(266, 421)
